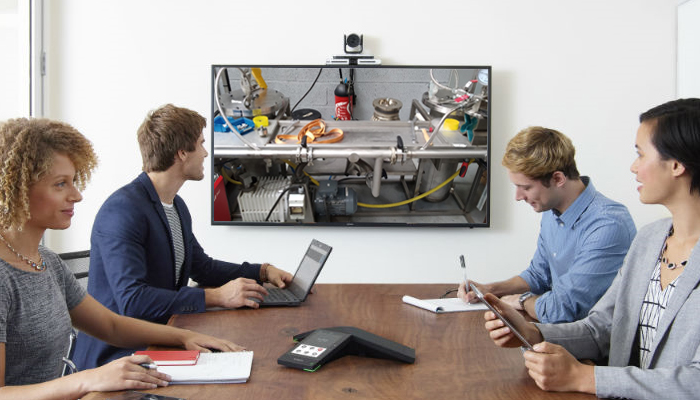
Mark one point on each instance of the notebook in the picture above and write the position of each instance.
(171, 357)
(450, 304)
(227, 367)
(307, 272)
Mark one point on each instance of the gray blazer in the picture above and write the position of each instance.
(611, 325)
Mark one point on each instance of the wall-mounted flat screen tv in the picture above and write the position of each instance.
(362, 145)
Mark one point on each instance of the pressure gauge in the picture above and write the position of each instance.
(483, 77)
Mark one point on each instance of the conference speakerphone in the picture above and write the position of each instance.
(321, 346)
(318, 348)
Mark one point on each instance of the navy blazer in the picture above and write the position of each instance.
(132, 265)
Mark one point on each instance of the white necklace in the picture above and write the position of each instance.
(37, 266)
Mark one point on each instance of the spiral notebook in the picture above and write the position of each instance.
(451, 304)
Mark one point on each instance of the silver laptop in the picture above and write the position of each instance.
(304, 278)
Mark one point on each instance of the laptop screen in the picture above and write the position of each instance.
(309, 268)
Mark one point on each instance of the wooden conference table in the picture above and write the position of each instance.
(454, 356)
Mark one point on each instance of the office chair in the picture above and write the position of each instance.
(68, 364)
(79, 263)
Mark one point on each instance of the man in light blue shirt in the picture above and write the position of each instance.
(583, 239)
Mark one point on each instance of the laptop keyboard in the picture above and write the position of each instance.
(276, 294)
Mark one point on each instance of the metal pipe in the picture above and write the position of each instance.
(377, 176)
(475, 185)
(221, 112)
(321, 152)
(454, 90)
(283, 109)
(415, 106)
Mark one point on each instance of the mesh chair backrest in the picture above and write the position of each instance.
(79, 264)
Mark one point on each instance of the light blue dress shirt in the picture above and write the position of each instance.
(578, 255)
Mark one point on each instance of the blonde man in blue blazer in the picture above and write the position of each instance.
(644, 333)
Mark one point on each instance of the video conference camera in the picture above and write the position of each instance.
(353, 45)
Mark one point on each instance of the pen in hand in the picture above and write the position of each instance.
(463, 264)
(149, 365)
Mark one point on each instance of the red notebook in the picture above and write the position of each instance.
(171, 357)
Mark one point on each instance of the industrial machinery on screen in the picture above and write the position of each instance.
(359, 145)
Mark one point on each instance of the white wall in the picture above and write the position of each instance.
(587, 68)
(688, 49)
(14, 69)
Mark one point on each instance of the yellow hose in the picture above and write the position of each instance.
(429, 192)
(228, 178)
(365, 205)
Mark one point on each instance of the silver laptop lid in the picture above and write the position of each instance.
(309, 268)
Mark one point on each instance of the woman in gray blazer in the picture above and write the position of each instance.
(644, 333)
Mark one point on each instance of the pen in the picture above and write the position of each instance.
(149, 365)
(464, 269)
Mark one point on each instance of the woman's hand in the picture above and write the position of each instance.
(553, 368)
(121, 374)
(500, 333)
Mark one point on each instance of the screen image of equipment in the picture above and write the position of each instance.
(362, 145)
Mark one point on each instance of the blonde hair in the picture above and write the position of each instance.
(27, 147)
(538, 153)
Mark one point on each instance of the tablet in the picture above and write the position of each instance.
(480, 295)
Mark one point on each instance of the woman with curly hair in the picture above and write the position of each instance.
(43, 166)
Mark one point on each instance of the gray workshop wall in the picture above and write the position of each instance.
(402, 84)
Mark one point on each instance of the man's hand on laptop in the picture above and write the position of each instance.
(278, 277)
(234, 294)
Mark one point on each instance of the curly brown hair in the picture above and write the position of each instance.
(27, 147)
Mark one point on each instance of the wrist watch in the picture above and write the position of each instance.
(524, 297)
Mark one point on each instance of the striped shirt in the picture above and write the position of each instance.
(653, 307)
(176, 233)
